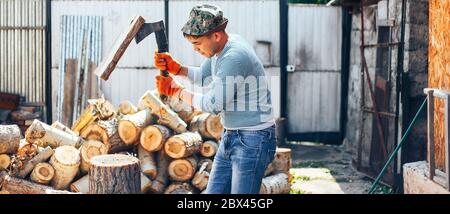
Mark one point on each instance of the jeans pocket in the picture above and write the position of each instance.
(250, 140)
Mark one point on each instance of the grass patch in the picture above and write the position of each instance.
(309, 164)
(298, 191)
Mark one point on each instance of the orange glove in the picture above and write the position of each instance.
(164, 61)
(168, 86)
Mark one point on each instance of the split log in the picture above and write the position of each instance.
(42, 156)
(185, 111)
(43, 173)
(208, 125)
(114, 173)
(106, 132)
(5, 160)
(130, 126)
(146, 183)
(107, 66)
(15, 185)
(81, 185)
(66, 162)
(88, 150)
(208, 148)
(182, 169)
(62, 127)
(42, 135)
(166, 116)
(201, 177)
(183, 145)
(10, 136)
(26, 150)
(209, 164)
(275, 184)
(97, 109)
(269, 170)
(153, 137)
(126, 107)
(282, 160)
(147, 162)
(162, 179)
(179, 188)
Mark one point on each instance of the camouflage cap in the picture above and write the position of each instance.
(204, 19)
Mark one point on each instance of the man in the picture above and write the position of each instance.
(238, 92)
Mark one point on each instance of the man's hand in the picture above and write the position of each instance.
(168, 86)
(164, 61)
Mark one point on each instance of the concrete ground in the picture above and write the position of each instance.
(324, 169)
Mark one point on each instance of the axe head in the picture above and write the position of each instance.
(147, 29)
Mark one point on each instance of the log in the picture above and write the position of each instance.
(107, 66)
(147, 163)
(88, 150)
(62, 127)
(183, 145)
(282, 160)
(126, 107)
(208, 148)
(166, 116)
(179, 188)
(182, 169)
(89, 115)
(209, 164)
(208, 125)
(66, 162)
(97, 109)
(275, 184)
(106, 132)
(146, 183)
(69, 91)
(31, 164)
(269, 170)
(153, 137)
(81, 185)
(114, 173)
(26, 150)
(201, 177)
(14, 185)
(162, 178)
(185, 111)
(10, 136)
(43, 173)
(42, 135)
(130, 126)
(5, 160)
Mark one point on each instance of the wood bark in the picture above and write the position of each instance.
(130, 126)
(282, 161)
(126, 107)
(166, 116)
(147, 163)
(162, 178)
(62, 127)
(88, 150)
(114, 174)
(201, 177)
(183, 145)
(107, 66)
(81, 185)
(208, 165)
(153, 137)
(275, 184)
(179, 188)
(208, 148)
(42, 156)
(105, 131)
(10, 136)
(208, 125)
(43, 173)
(66, 162)
(146, 183)
(14, 185)
(42, 135)
(182, 169)
(185, 111)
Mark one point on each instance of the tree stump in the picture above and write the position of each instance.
(42, 173)
(208, 148)
(66, 162)
(88, 150)
(182, 169)
(10, 136)
(208, 125)
(130, 126)
(183, 145)
(114, 174)
(154, 137)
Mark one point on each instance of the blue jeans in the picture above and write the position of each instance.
(241, 161)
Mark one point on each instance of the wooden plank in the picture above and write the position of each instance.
(107, 66)
(69, 91)
(92, 80)
(430, 127)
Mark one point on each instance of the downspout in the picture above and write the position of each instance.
(48, 61)
(345, 67)
(284, 7)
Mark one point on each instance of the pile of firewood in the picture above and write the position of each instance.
(159, 146)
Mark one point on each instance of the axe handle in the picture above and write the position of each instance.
(161, 41)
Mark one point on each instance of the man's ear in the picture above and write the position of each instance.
(217, 36)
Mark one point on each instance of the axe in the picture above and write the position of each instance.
(138, 30)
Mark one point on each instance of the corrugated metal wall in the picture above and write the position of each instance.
(314, 91)
(22, 48)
